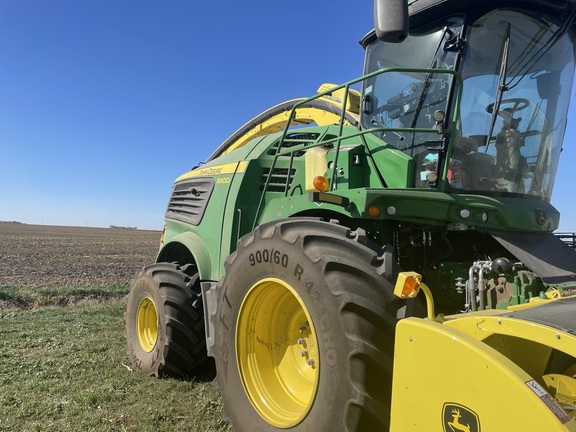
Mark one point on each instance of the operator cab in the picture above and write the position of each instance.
(500, 130)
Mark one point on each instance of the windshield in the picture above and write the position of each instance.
(408, 99)
(517, 71)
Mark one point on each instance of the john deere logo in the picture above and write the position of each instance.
(540, 216)
(458, 418)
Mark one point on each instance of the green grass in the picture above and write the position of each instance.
(65, 369)
(29, 297)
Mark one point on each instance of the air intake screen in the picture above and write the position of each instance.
(189, 200)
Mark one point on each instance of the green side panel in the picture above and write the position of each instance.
(239, 154)
(429, 208)
(435, 208)
(184, 234)
(204, 240)
(209, 241)
(397, 168)
(240, 210)
(352, 164)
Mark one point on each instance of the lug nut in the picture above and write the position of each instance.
(301, 341)
(304, 353)
(310, 362)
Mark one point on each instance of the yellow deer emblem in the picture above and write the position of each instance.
(455, 424)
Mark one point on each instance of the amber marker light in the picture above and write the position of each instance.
(409, 284)
(320, 183)
(374, 211)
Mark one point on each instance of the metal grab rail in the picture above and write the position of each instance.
(361, 133)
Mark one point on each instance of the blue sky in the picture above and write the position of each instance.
(104, 103)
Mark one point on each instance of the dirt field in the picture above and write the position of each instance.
(50, 256)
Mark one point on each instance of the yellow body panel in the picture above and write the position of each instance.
(229, 168)
(491, 329)
(446, 380)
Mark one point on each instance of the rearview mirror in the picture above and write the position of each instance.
(391, 20)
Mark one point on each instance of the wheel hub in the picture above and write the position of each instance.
(277, 353)
(147, 324)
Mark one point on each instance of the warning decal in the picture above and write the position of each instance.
(549, 401)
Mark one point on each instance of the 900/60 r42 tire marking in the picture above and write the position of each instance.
(305, 297)
(268, 256)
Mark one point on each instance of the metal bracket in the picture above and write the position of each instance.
(209, 302)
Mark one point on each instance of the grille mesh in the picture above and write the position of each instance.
(189, 200)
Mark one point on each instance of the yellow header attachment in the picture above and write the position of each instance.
(325, 110)
(352, 102)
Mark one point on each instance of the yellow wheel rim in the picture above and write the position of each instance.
(277, 353)
(147, 324)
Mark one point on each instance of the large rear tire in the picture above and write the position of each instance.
(304, 330)
(165, 321)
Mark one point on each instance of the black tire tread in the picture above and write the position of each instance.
(344, 253)
(184, 351)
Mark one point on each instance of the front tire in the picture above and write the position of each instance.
(165, 321)
(304, 330)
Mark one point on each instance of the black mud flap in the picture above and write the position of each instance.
(543, 253)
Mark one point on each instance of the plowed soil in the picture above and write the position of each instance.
(53, 256)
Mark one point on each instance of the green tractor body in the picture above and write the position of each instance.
(284, 246)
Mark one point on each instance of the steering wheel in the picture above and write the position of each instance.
(519, 105)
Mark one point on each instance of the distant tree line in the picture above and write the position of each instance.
(13, 222)
(123, 227)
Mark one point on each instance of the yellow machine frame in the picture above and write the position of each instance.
(483, 371)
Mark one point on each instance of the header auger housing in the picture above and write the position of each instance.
(281, 253)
